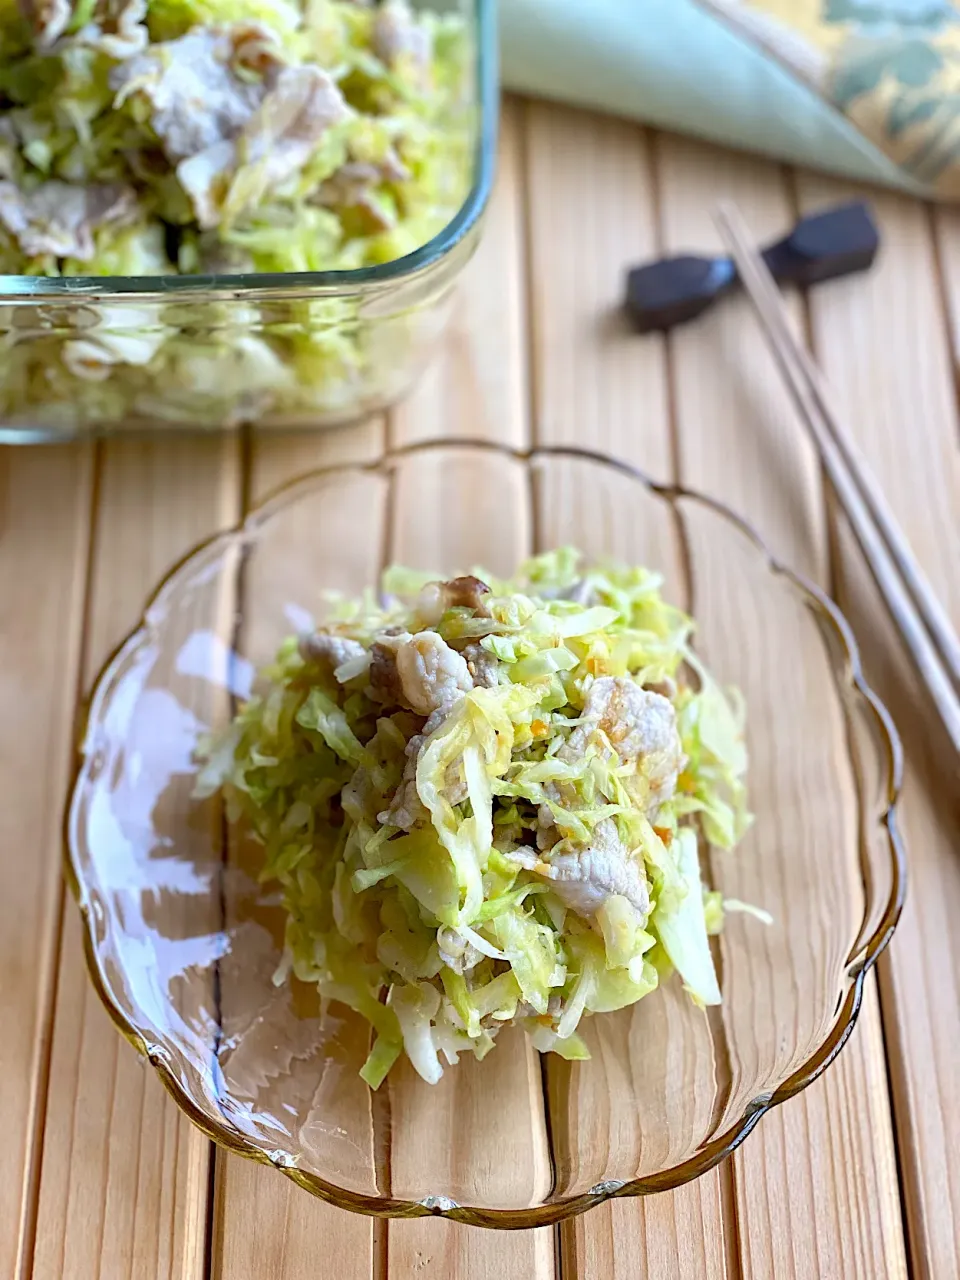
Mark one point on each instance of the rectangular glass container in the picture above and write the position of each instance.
(371, 328)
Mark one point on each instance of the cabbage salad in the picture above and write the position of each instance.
(484, 802)
(158, 137)
(149, 137)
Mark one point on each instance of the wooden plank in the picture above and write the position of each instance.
(591, 214)
(442, 1142)
(481, 393)
(264, 1225)
(477, 384)
(123, 1187)
(678, 1235)
(816, 1189)
(44, 524)
(645, 1098)
(886, 350)
(431, 1247)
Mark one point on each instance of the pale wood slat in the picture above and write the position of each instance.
(477, 383)
(431, 1247)
(645, 1097)
(679, 1235)
(591, 216)
(592, 213)
(442, 1141)
(479, 388)
(264, 1225)
(816, 1184)
(884, 345)
(123, 1187)
(44, 521)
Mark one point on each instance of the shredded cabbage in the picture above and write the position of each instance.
(525, 851)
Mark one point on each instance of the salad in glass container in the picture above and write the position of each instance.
(276, 157)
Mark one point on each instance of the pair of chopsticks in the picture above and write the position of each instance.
(918, 614)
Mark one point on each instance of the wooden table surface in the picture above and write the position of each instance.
(859, 1176)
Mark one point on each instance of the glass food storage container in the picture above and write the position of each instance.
(83, 354)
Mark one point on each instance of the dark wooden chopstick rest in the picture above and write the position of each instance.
(823, 246)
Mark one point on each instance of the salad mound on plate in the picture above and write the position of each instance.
(484, 802)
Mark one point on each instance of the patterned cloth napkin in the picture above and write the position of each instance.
(867, 88)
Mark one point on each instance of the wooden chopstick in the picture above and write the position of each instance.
(915, 609)
(931, 610)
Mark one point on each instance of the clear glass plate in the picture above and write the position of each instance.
(182, 941)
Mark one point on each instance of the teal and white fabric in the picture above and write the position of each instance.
(865, 88)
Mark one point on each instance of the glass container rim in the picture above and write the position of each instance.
(868, 949)
(19, 289)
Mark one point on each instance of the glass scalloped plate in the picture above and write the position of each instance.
(182, 940)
